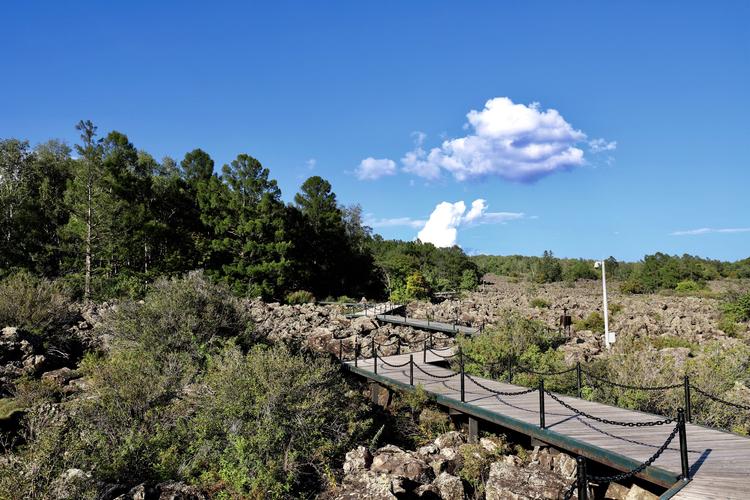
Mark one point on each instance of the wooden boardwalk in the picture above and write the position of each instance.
(424, 324)
(719, 461)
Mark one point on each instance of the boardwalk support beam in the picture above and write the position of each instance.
(582, 481)
(374, 356)
(473, 430)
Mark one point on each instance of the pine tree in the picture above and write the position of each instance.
(249, 246)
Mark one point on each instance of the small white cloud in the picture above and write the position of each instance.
(710, 230)
(393, 222)
(310, 164)
(374, 168)
(512, 141)
(441, 229)
(602, 145)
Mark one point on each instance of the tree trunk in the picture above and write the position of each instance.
(87, 286)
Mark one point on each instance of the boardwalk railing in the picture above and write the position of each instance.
(583, 478)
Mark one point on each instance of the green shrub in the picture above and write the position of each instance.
(35, 305)
(662, 342)
(738, 307)
(469, 279)
(190, 314)
(690, 286)
(269, 418)
(593, 322)
(475, 463)
(300, 297)
(614, 308)
(432, 423)
(417, 286)
(539, 303)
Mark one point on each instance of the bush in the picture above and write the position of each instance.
(300, 297)
(539, 303)
(469, 280)
(417, 286)
(516, 339)
(593, 322)
(35, 305)
(267, 420)
(690, 286)
(189, 314)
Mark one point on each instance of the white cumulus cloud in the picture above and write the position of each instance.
(441, 229)
(516, 142)
(709, 230)
(374, 168)
(602, 145)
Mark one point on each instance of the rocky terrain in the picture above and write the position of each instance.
(449, 468)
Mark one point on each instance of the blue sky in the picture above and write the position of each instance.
(318, 87)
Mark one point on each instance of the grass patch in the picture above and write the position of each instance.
(539, 303)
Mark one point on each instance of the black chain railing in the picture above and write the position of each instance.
(719, 400)
(607, 421)
(583, 477)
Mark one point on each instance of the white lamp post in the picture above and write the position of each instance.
(608, 339)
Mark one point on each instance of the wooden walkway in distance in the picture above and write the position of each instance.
(719, 461)
(424, 324)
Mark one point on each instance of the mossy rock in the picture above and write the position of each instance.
(10, 409)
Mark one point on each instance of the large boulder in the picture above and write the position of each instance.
(357, 460)
(394, 461)
(449, 487)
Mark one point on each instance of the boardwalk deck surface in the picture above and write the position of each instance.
(719, 461)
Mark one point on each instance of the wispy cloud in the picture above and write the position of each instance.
(710, 230)
(393, 222)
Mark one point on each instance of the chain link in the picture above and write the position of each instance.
(719, 400)
(499, 393)
(568, 494)
(610, 422)
(640, 468)
(440, 355)
(634, 387)
(416, 365)
(544, 374)
(392, 365)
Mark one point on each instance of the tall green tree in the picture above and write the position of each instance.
(89, 201)
(249, 244)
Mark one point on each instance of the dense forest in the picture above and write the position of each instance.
(107, 219)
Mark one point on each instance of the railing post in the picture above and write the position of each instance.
(374, 356)
(356, 350)
(341, 349)
(411, 370)
(683, 445)
(541, 404)
(424, 352)
(688, 410)
(578, 377)
(461, 361)
(582, 479)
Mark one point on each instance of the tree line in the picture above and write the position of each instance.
(107, 218)
(654, 272)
